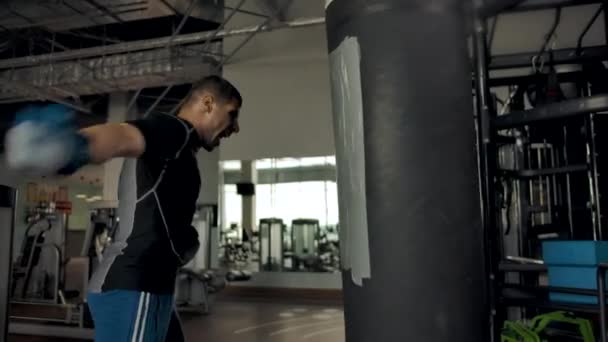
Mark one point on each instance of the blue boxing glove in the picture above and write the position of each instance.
(44, 141)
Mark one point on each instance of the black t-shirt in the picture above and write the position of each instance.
(157, 200)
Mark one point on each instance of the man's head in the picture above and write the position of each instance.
(213, 109)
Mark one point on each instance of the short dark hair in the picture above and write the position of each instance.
(219, 87)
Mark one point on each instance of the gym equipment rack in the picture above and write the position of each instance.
(528, 294)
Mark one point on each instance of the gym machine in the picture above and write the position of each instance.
(271, 241)
(329, 249)
(8, 309)
(305, 244)
(46, 285)
(540, 163)
(103, 225)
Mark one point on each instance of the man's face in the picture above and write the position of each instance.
(222, 122)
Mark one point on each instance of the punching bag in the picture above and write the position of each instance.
(411, 237)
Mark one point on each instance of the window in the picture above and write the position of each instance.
(300, 188)
(231, 165)
(290, 201)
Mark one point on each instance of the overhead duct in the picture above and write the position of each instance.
(144, 69)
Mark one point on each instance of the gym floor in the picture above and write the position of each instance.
(235, 320)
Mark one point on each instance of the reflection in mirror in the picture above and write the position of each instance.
(295, 201)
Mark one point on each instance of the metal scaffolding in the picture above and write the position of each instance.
(148, 44)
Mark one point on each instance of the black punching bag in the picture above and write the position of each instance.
(412, 241)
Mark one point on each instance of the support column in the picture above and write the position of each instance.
(117, 112)
(249, 174)
(412, 241)
(493, 241)
(209, 168)
(7, 222)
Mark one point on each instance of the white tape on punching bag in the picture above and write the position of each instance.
(350, 145)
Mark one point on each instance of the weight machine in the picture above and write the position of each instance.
(540, 160)
(46, 285)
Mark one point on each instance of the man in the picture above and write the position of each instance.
(131, 293)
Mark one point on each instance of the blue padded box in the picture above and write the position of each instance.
(575, 253)
(573, 277)
(573, 264)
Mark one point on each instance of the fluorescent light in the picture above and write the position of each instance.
(81, 196)
(94, 198)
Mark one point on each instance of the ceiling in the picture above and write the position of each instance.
(77, 52)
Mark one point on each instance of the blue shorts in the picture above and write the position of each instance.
(131, 316)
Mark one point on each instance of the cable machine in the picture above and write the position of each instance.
(541, 157)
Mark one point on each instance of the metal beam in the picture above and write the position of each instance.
(559, 110)
(494, 7)
(155, 43)
(46, 95)
(539, 5)
(214, 34)
(487, 166)
(562, 56)
(565, 77)
(175, 33)
(91, 36)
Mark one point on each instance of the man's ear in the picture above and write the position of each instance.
(207, 101)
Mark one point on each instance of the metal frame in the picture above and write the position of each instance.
(487, 142)
(250, 35)
(553, 111)
(8, 198)
(600, 292)
(561, 56)
(494, 7)
(601, 285)
(147, 44)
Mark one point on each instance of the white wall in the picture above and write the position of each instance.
(525, 32)
(284, 79)
(287, 111)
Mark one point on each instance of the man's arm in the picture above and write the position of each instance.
(114, 140)
(43, 141)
